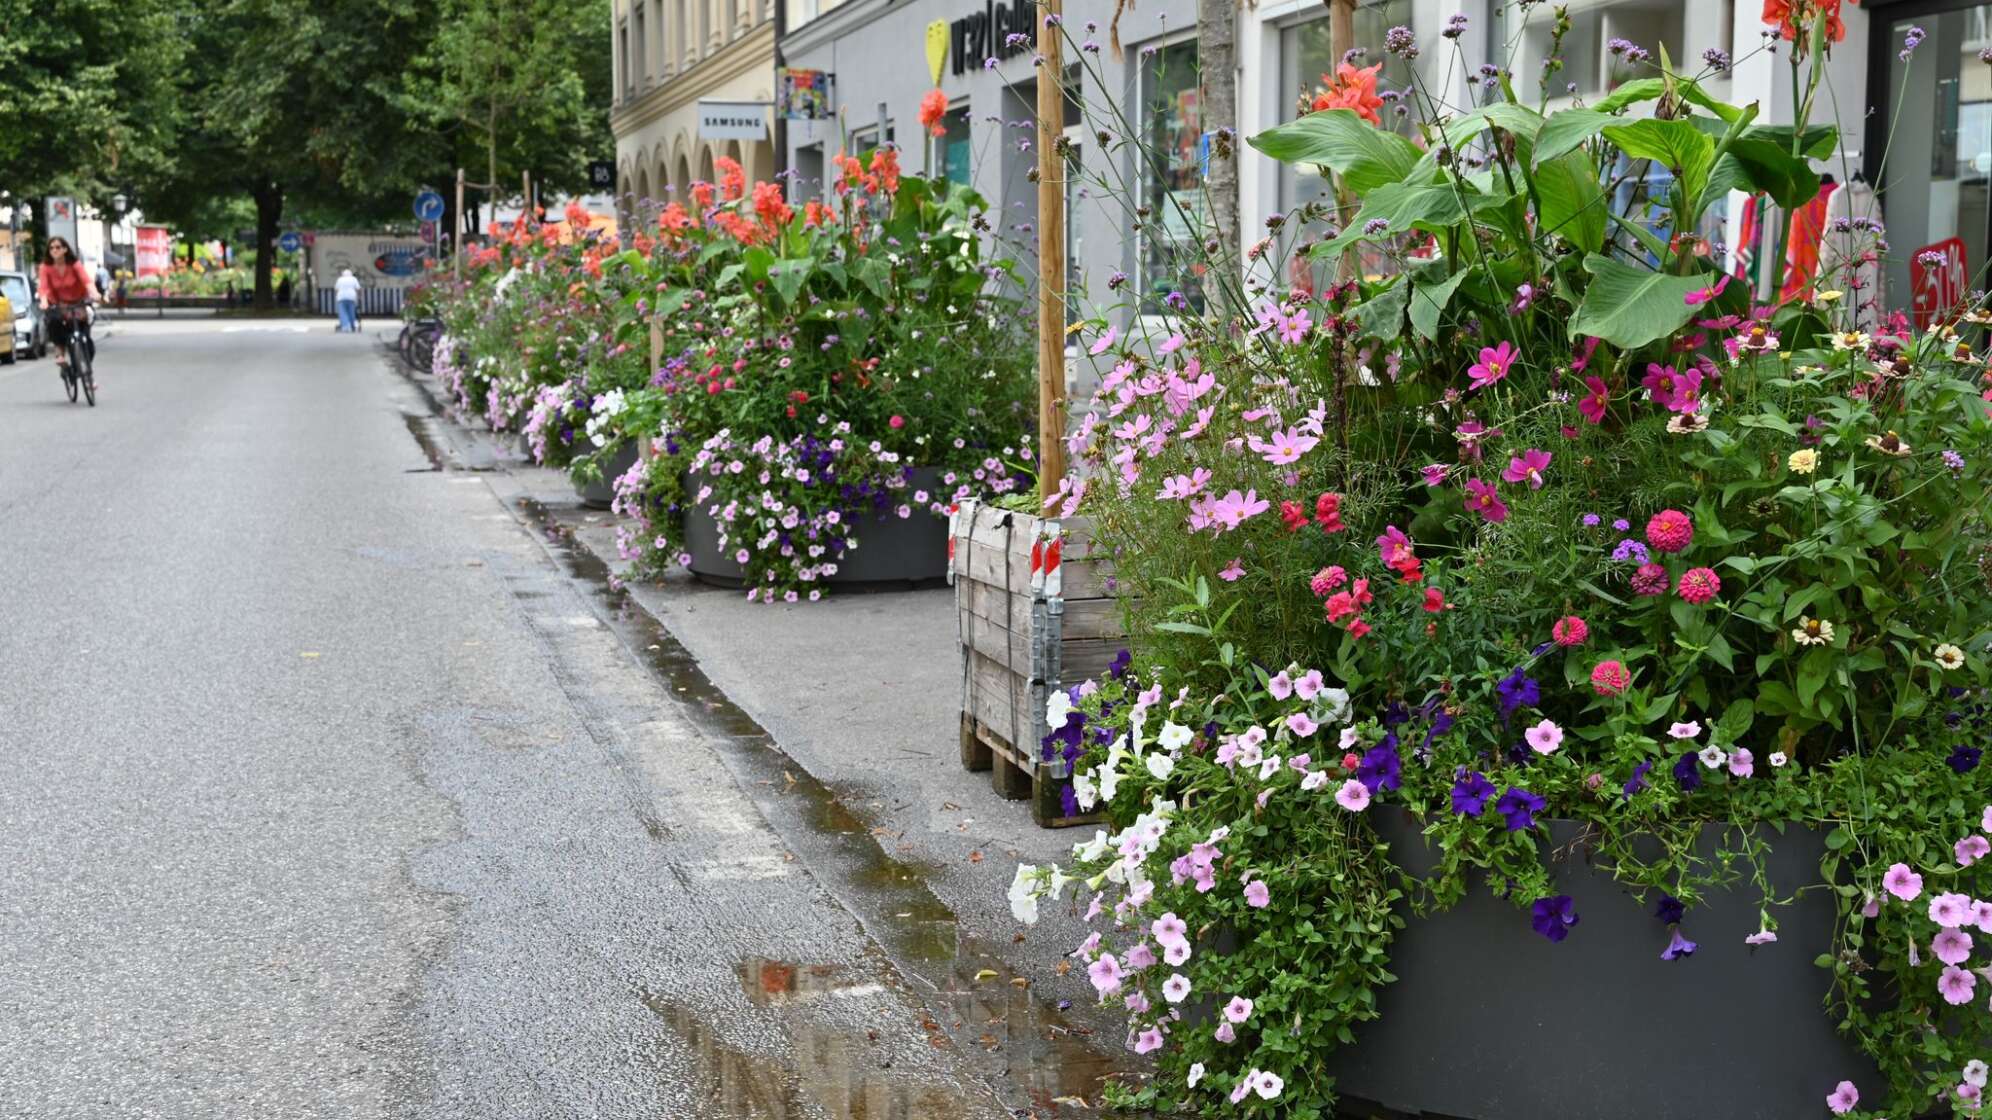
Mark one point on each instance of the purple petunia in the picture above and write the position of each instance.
(1685, 772)
(1381, 769)
(1519, 806)
(1471, 793)
(1552, 917)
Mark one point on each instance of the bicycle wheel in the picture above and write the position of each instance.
(79, 369)
(424, 348)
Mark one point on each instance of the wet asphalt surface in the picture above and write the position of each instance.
(342, 783)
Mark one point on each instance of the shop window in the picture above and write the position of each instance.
(1172, 179)
(954, 147)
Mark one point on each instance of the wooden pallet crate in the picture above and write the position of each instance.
(1034, 614)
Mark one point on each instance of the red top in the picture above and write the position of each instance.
(65, 285)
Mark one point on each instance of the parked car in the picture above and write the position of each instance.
(27, 333)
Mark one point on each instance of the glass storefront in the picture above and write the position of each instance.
(1172, 178)
(1939, 170)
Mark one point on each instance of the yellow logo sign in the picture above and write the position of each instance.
(937, 47)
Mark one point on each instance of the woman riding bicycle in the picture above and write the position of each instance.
(62, 283)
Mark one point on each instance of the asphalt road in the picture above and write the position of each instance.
(327, 791)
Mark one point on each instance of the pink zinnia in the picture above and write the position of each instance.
(1650, 579)
(1610, 678)
(1670, 530)
(1570, 631)
(1901, 882)
(1699, 585)
(1484, 500)
(1493, 365)
(1527, 467)
(1843, 1098)
(1956, 985)
(1327, 580)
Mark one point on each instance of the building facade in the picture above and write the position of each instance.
(671, 55)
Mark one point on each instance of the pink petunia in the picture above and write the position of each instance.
(1353, 796)
(1527, 467)
(1544, 738)
(1484, 500)
(1257, 895)
(1105, 973)
(1951, 946)
(1494, 363)
(1280, 685)
(1741, 763)
(1901, 882)
(1169, 928)
(1224, 1033)
(1309, 685)
(1149, 1041)
(1843, 1098)
(1300, 724)
(1238, 1010)
(1956, 985)
(1951, 910)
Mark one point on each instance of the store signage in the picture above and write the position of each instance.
(805, 94)
(733, 120)
(154, 249)
(997, 31)
(937, 48)
(1935, 289)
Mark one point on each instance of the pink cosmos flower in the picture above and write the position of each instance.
(1105, 973)
(1309, 685)
(1238, 1010)
(1702, 295)
(1283, 447)
(1393, 546)
(1699, 585)
(1293, 328)
(1569, 631)
(1544, 737)
(1901, 882)
(1951, 946)
(1353, 796)
(1257, 895)
(1233, 571)
(1527, 467)
(1494, 363)
(1610, 678)
(1670, 530)
(1741, 763)
(1232, 510)
(1595, 403)
(1484, 500)
(1183, 485)
(1301, 725)
(1104, 343)
(1950, 910)
(1171, 344)
(1435, 473)
(1956, 985)
(1971, 849)
(1843, 1098)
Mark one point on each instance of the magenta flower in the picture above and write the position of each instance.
(1670, 530)
(1527, 467)
(1699, 585)
(1610, 678)
(1257, 895)
(1650, 579)
(1702, 295)
(1901, 882)
(1494, 363)
(1956, 985)
(1596, 401)
(1435, 473)
(1951, 946)
(1393, 546)
(1484, 500)
(1843, 1098)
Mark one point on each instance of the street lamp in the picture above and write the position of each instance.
(120, 203)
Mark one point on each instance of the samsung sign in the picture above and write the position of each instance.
(733, 120)
(987, 34)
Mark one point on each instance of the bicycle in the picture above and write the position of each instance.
(418, 343)
(82, 351)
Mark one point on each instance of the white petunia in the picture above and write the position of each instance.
(1056, 709)
(1161, 765)
(1174, 736)
(1023, 894)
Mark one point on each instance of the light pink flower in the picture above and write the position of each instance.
(1688, 730)
(1951, 946)
(1268, 1085)
(1986, 822)
(1176, 988)
(1233, 571)
(1843, 1098)
(1257, 895)
(1150, 1040)
(1301, 724)
(1544, 737)
(1176, 952)
(1283, 447)
(1280, 685)
(1243, 1087)
(1168, 928)
(1950, 910)
(1901, 882)
(1104, 343)
(1761, 937)
(1309, 685)
(1171, 344)
(1224, 1033)
(1238, 1010)
(1956, 985)
(1140, 957)
(1981, 916)
(1105, 973)
(1971, 849)
(1136, 1003)
(1353, 796)
(1742, 763)
(1232, 510)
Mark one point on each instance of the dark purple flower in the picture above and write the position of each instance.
(1470, 794)
(1638, 780)
(1117, 668)
(1517, 691)
(1677, 947)
(1519, 806)
(1068, 800)
(1965, 759)
(1381, 769)
(1686, 774)
(1553, 917)
(1670, 909)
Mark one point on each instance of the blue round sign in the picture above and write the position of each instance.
(428, 206)
(290, 242)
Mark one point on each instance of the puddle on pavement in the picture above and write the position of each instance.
(1022, 1045)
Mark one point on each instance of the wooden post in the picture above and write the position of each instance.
(1051, 256)
(456, 235)
(1341, 40)
(526, 196)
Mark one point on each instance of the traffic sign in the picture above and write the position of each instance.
(290, 242)
(428, 206)
(428, 232)
(601, 174)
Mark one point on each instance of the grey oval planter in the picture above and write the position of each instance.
(891, 550)
(1491, 1021)
(601, 493)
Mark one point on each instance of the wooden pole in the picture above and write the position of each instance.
(456, 235)
(1341, 40)
(1051, 257)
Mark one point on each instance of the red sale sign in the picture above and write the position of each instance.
(1936, 286)
(155, 250)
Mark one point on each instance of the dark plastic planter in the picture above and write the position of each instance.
(1488, 1020)
(601, 493)
(891, 550)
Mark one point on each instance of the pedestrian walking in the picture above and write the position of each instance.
(346, 297)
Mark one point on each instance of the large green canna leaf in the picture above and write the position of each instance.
(1572, 201)
(1677, 145)
(1565, 130)
(1630, 305)
(1365, 156)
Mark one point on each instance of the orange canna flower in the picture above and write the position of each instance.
(814, 213)
(732, 178)
(674, 220)
(769, 204)
(885, 169)
(702, 195)
(933, 111)
(1354, 89)
(1790, 16)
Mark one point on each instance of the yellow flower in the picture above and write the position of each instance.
(1949, 656)
(1828, 297)
(1803, 461)
(1812, 632)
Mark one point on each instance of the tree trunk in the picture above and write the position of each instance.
(269, 207)
(1217, 66)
